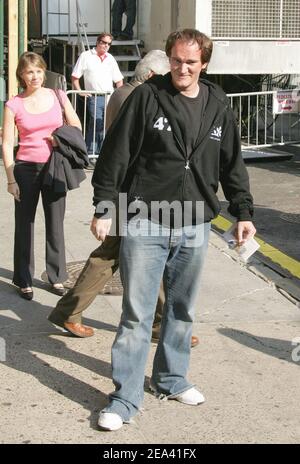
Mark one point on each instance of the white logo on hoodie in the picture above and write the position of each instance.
(162, 124)
(216, 133)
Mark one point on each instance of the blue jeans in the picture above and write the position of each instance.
(144, 260)
(94, 133)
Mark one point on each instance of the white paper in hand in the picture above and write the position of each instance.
(246, 250)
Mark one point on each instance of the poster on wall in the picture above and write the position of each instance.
(286, 101)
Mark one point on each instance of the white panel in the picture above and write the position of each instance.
(94, 12)
(144, 20)
(255, 57)
(203, 16)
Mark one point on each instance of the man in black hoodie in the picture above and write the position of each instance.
(173, 141)
(103, 261)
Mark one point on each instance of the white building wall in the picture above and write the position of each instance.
(229, 56)
(96, 13)
(144, 20)
(186, 14)
(154, 22)
(203, 16)
(255, 57)
(157, 18)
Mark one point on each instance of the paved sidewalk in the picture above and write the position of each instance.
(53, 385)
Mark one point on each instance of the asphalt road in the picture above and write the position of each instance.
(275, 185)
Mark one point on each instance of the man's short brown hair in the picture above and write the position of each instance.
(102, 35)
(191, 35)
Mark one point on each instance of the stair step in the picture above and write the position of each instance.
(127, 57)
(126, 42)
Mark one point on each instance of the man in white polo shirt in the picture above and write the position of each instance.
(100, 71)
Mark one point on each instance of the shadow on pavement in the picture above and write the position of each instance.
(28, 338)
(7, 274)
(281, 349)
(11, 290)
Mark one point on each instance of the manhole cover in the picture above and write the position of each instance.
(289, 217)
(112, 287)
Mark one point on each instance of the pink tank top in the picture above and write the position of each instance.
(34, 128)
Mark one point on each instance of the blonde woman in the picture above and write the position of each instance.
(36, 112)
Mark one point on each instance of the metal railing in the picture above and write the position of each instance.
(259, 126)
(79, 99)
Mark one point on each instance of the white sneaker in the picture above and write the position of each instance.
(191, 396)
(109, 421)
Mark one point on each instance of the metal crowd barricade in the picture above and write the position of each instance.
(259, 126)
(79, 101)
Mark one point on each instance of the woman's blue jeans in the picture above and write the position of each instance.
(144, 259)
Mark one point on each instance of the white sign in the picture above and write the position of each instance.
(222, 43)
(286, 101)
(283, 43)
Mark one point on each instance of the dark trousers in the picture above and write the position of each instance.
(98, 269)
(120, 7)
(29, 177)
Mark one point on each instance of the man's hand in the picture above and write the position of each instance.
(87, 95)
(244, 231)
(100, 227)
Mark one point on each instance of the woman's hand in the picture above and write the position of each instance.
(14, 190)
(52, 140)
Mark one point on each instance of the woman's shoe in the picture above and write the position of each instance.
(59, 289)
(26, 293)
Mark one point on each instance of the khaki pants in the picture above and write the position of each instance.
(99, 268)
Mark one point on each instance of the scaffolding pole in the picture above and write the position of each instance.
(12, 47)
(22, 20)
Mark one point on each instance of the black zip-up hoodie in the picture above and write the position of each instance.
(144, 154)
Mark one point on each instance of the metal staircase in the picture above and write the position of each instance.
(83, 42)
(126, 52)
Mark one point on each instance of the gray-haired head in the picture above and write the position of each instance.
(155, 62)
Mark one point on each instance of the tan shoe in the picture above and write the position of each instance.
(78, 329)
(194, 341)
